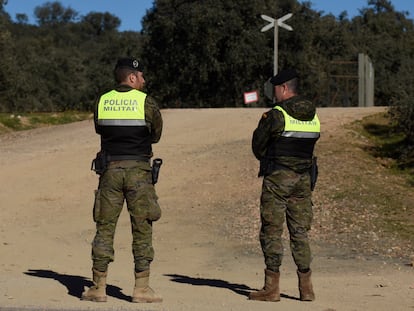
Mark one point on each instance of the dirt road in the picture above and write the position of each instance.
(206, 243)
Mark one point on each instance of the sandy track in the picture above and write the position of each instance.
(205, 257)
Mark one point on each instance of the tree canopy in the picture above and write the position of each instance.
(205, 54)
(63, 62)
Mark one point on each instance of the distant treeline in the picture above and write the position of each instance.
(206, 54)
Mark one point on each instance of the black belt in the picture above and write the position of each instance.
(127, 157)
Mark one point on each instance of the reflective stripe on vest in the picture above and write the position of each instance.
(300, 129)
(122, 108)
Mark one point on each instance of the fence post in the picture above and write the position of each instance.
(365, 81)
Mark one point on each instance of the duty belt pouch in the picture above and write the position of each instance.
(314, 172)
(100, 163)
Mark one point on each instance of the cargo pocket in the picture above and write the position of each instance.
(154, 210)
(97, 205)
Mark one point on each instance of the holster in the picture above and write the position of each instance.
(314, 172)
(155, 170)
(263, 167)
(100, 163)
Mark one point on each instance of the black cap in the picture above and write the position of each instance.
(284, 76)
(130, 63)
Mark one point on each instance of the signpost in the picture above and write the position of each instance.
(276, 23)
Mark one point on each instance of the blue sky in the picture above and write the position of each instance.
(131, 12)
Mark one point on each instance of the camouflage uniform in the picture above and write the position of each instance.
(286, 190)
(128, 180)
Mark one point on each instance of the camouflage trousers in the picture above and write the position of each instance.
(286, 195)
(128, 181)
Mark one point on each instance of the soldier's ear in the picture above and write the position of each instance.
(132, 77)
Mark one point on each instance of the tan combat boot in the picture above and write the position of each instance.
(142, 291)
(270, 291)
(305, 286)
(97, 292)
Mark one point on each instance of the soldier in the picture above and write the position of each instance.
(129, 122)
(284, 142)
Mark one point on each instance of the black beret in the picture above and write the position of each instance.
(130, 63)
(284, 76)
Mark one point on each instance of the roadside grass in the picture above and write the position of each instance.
(26, 121)
(394, 202)
(389, 144)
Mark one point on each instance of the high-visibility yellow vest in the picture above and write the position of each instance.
(297, 139)
(300, 129)
(122, 108)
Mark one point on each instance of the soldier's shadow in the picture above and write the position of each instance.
(76, 284)
(240, 289)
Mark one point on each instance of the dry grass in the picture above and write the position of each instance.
(362, 203)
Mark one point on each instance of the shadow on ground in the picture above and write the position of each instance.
(240, 289)
(76, 284)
